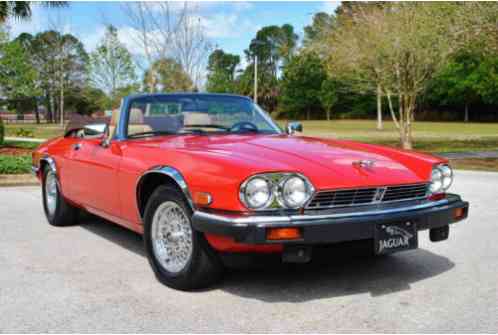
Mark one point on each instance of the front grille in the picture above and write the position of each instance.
(366, 196)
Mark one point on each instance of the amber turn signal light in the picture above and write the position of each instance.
(283, 234)
(459, 213)
(202, 198)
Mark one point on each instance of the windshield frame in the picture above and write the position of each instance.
(126, 105)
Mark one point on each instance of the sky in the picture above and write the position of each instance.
(229, 25)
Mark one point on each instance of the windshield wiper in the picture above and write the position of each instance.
(151, 133)
(214, 126)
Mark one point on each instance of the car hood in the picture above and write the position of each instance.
(327, 163)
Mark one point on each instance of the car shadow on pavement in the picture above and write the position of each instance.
(339, 270)
(114, 233)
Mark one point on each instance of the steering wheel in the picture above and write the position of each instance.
(244, 126)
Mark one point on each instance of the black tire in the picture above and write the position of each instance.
(203, 269)
(64, 214)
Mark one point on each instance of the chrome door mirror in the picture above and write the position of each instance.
(95, 130)
(106, 141)
(292, 127)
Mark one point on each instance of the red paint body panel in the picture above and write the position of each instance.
(104, 180)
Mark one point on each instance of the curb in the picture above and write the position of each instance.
(7, 180)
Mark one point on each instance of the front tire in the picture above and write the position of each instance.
(57, 210)
(180, 256)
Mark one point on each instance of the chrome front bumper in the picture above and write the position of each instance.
(332, 225)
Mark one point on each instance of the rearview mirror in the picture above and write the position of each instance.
(292, 127)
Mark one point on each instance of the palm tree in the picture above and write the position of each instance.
(22, 9)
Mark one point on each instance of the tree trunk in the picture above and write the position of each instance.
(379, 108)
(406, 108)
(61, 109)
(328, 114)
(308, 114)
(48, 116)
(393, 115)
(466, 118)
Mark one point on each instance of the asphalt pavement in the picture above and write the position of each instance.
(95, 278)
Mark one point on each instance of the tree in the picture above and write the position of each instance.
(111, 65)
(191, 46)
(456, 83)
(328, 96)
(301, 84)
(61, 63)
(86, 100)
(163, 32)
(17, 75)
(322, 23)
(169, 76)
(221, 72)
(22, 9)
(399, 47)
(469, 78)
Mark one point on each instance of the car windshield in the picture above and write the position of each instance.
(197, 113)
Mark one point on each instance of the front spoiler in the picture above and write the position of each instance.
(331, 227)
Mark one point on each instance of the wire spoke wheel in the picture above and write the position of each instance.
(171, 234)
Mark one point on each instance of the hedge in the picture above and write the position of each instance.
(15, 164)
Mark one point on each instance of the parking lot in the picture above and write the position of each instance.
(95, 278)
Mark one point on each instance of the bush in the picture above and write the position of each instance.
(15, 164)
(2, 131)
(21, 132)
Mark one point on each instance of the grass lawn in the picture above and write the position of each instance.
(477, 164)
(435, 137)
(44, 131)
(428, 136)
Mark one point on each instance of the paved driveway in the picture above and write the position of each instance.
(95, 278)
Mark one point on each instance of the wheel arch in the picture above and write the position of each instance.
(48, 161)
(160, 175)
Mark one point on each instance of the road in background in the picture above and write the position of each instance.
(95, 278)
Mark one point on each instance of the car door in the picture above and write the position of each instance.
(95, 170)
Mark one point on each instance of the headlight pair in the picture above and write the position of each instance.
(275, 190)
(441, 178)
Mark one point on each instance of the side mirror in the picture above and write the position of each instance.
(106, 141)
(94, 130)
(292, 127)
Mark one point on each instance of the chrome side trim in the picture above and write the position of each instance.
(173, 174)
(289, 219)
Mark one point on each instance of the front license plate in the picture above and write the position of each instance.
(395, 237)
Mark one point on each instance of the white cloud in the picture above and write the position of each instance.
(226, 25)
(329, 6)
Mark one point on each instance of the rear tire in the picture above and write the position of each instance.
(180, 256)
(58, 211)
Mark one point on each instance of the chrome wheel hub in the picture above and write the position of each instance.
(51, 192)
(171, 237)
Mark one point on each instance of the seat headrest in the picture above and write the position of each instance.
(136, 116)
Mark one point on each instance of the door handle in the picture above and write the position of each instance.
(77, 146)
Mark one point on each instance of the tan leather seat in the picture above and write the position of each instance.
(136, 122)
(194, 118)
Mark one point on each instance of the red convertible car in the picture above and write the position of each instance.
(204, 175)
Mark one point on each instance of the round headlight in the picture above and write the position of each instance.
(447, 173)
(436, 181)
(257, 193)
(294, 192)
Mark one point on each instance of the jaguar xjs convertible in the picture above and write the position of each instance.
(207, 175)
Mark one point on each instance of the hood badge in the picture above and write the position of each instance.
(364, 163)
